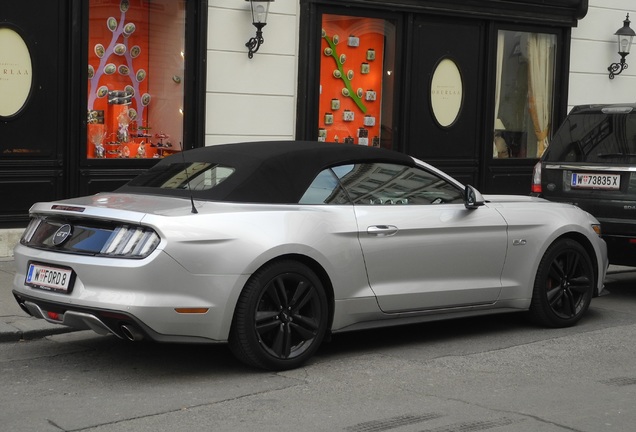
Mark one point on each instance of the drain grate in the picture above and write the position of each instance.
(474, 426)
(391, 423)
(620, 381)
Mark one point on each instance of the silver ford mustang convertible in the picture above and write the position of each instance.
(270, 246)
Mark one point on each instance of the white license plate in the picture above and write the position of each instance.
(596, 181)
(47, 277)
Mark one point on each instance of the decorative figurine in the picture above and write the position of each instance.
(96, 138)
(122, 131)
(141, 150)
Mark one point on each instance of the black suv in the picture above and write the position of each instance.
(591, 163)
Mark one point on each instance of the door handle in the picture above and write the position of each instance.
(382, 230)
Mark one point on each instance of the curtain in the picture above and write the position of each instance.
(540, 85)
(500, 55)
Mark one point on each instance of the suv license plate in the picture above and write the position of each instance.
(51, 278)
(596, 181)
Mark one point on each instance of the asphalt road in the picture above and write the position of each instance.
(495, 373)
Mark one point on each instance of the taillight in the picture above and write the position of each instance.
(34, 223)
(536, 178)
(131, 242)
(90, 237)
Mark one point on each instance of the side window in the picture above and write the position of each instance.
(390, 184)
(193, 176)
(325, 189)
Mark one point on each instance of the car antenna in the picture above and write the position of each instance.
(194, 209)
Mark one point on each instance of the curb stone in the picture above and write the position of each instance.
(29, 329)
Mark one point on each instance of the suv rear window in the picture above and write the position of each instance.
(600, 137)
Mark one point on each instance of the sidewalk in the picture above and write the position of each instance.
(16, 325)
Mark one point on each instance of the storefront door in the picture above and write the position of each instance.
(34, 110)
(445, 115)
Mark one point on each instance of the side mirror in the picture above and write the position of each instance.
(473, 198)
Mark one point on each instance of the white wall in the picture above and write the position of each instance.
(8, 239)
(594, 48)
(251, 99)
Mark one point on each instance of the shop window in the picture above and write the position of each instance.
(524, 94)
(356, 81)
(135, 78)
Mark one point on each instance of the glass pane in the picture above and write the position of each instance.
(356, 81)
(135, 78)
(595, 138)
(325, 189)
(524, 94)
(389, 184)
(186, 176)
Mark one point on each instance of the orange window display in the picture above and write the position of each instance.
(135, 73)
(351, 79)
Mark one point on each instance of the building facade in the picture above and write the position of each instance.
(98, 90)
(593, 48)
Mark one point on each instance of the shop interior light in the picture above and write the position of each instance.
(625, 37)
(259, 20)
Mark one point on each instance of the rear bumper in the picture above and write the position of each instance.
(620, 236)
(104, 322)
(621, 250)
(142, 295)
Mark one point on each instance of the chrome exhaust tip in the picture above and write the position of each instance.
(24, 308)
(131, 333)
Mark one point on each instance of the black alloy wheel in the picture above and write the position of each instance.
(564, 285)
(280, 318)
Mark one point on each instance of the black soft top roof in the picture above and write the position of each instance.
(268, 171)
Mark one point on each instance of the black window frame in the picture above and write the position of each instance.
(311, 16)
(559, 92)
(194, 89)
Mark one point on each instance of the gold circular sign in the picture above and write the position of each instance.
(16, 73)
(447, 92)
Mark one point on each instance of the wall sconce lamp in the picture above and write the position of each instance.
(625, 37)
(259, 20)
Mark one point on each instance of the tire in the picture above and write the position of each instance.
(564, 285)
(280, 318)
